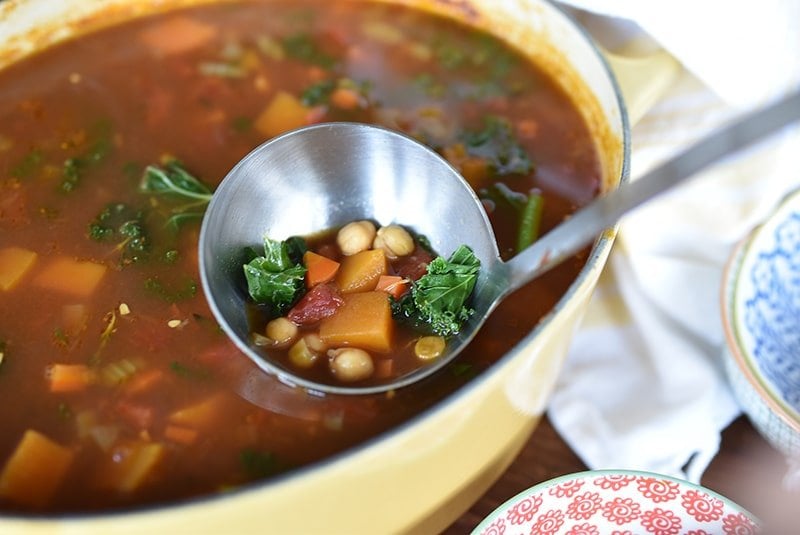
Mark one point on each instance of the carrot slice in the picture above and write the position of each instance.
(345, 98)
(35, 470)
(319, 268)
(180, 435)
(69, 377)
(176, 35)
(393, 285)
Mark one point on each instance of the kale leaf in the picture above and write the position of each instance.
(172, 180)
(302, 47)
(437, 302)
(276, 279)
(496, 143)
(125, 225)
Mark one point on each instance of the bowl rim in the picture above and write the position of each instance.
(604, 472)
(737, 351)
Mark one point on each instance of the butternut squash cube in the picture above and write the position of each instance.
(130, 465)
(364, 321)
(283, 113)
(35, 470)
(360, 272)
(204, 414)
(14, 263)
(74, 277)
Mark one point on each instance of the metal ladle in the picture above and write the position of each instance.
(327, 175)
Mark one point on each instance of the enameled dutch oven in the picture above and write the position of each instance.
(422, 475)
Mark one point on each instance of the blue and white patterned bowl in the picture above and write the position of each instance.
(761, 316)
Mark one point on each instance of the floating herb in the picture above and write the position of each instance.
(74, 168)
(169, 293)
(186, 372)
(496, 143)
(30, 162)
(125, 225)
(259, 464)
(64, 411)
(301, 46)
(172, 181)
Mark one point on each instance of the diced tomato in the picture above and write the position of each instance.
(320, 302)
(414, 265)
(137, 415)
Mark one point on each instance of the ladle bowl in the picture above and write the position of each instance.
(324, 176)
(321, 177)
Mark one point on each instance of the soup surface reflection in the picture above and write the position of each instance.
(118, 388)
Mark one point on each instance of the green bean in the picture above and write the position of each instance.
(530, 218)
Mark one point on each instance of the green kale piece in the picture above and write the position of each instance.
(276, 279)
(301, 46)
(318, 93)
(173, 181)
(259, 464)
(496, 143)
(437, 302)
(73, 168)
(125, 225)
(170, 293)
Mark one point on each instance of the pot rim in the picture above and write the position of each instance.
(595, 261)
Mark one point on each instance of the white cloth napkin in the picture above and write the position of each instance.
(643, 386)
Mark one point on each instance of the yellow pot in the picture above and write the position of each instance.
(424, 474)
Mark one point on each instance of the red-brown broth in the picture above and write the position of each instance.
(110, 86)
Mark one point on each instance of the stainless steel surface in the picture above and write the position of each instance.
(327, 175)
(322, 177)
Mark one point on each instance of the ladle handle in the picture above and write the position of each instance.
(603, 213)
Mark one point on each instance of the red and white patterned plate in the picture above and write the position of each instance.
(618, 502)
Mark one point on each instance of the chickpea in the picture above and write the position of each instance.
(281, 331)
(315, 343)
(350, 364)
(355, 237)
(302, 356)
(394, 240)
(429, 347)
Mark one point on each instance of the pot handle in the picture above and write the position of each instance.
(642, 79)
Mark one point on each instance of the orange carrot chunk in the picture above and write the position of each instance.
(180, 435)
(69, 377)
(363, 321)
(319, 268)
(345, 98)
(35, 470)
(176, 35)
(394, 285)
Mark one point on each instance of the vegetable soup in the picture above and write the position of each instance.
(119, 389)
(360, 305)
